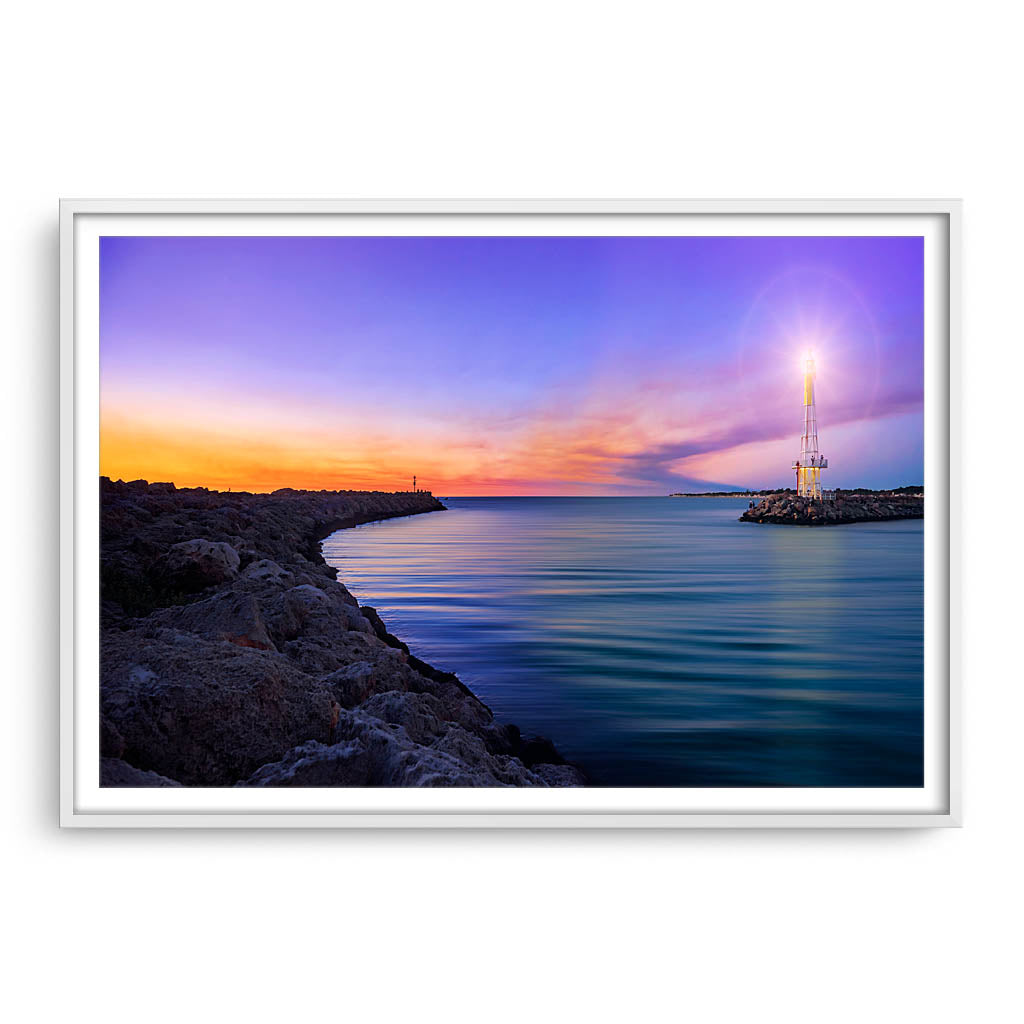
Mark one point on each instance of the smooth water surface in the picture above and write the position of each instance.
(658, 641)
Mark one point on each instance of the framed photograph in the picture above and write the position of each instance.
(509, 514)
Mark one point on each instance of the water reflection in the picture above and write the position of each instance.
(661, 643)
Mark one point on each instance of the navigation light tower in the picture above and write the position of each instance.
(811, 462)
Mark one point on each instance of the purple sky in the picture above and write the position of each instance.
(509, 365)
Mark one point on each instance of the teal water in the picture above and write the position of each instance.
(658, 641)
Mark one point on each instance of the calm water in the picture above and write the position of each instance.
(658, 641)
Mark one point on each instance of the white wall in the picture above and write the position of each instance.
(526, 99)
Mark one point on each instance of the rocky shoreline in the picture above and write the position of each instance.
(232, 656)
(786, 509)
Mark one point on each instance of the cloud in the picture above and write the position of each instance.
(637, 432)
(658, 461)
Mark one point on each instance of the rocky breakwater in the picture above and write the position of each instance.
(231, 655)
(786, 509)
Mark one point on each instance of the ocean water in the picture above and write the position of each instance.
(658, 641)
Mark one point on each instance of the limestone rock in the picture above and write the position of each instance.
(194, 565)
(791, 510)
(421, 715)
(267, 569)
(226, 615)
(308, 609)
(559, 774)
(115, 772)
(111, 741)
(202, 711)
(370, 752)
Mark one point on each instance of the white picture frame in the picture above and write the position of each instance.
(82, 221)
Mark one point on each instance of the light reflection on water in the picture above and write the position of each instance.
(658, 641)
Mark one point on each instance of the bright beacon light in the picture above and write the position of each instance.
(811, 462)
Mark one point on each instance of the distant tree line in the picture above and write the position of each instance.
(729, 494)
(909, 489)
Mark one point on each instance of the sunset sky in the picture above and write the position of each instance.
(504, 365)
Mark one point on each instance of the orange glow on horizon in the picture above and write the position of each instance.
(539, 460)
(619, 437)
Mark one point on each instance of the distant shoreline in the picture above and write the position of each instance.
(906, 491)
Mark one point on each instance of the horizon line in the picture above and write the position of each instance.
(723, 492)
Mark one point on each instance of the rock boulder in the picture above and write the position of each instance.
(194, 565)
